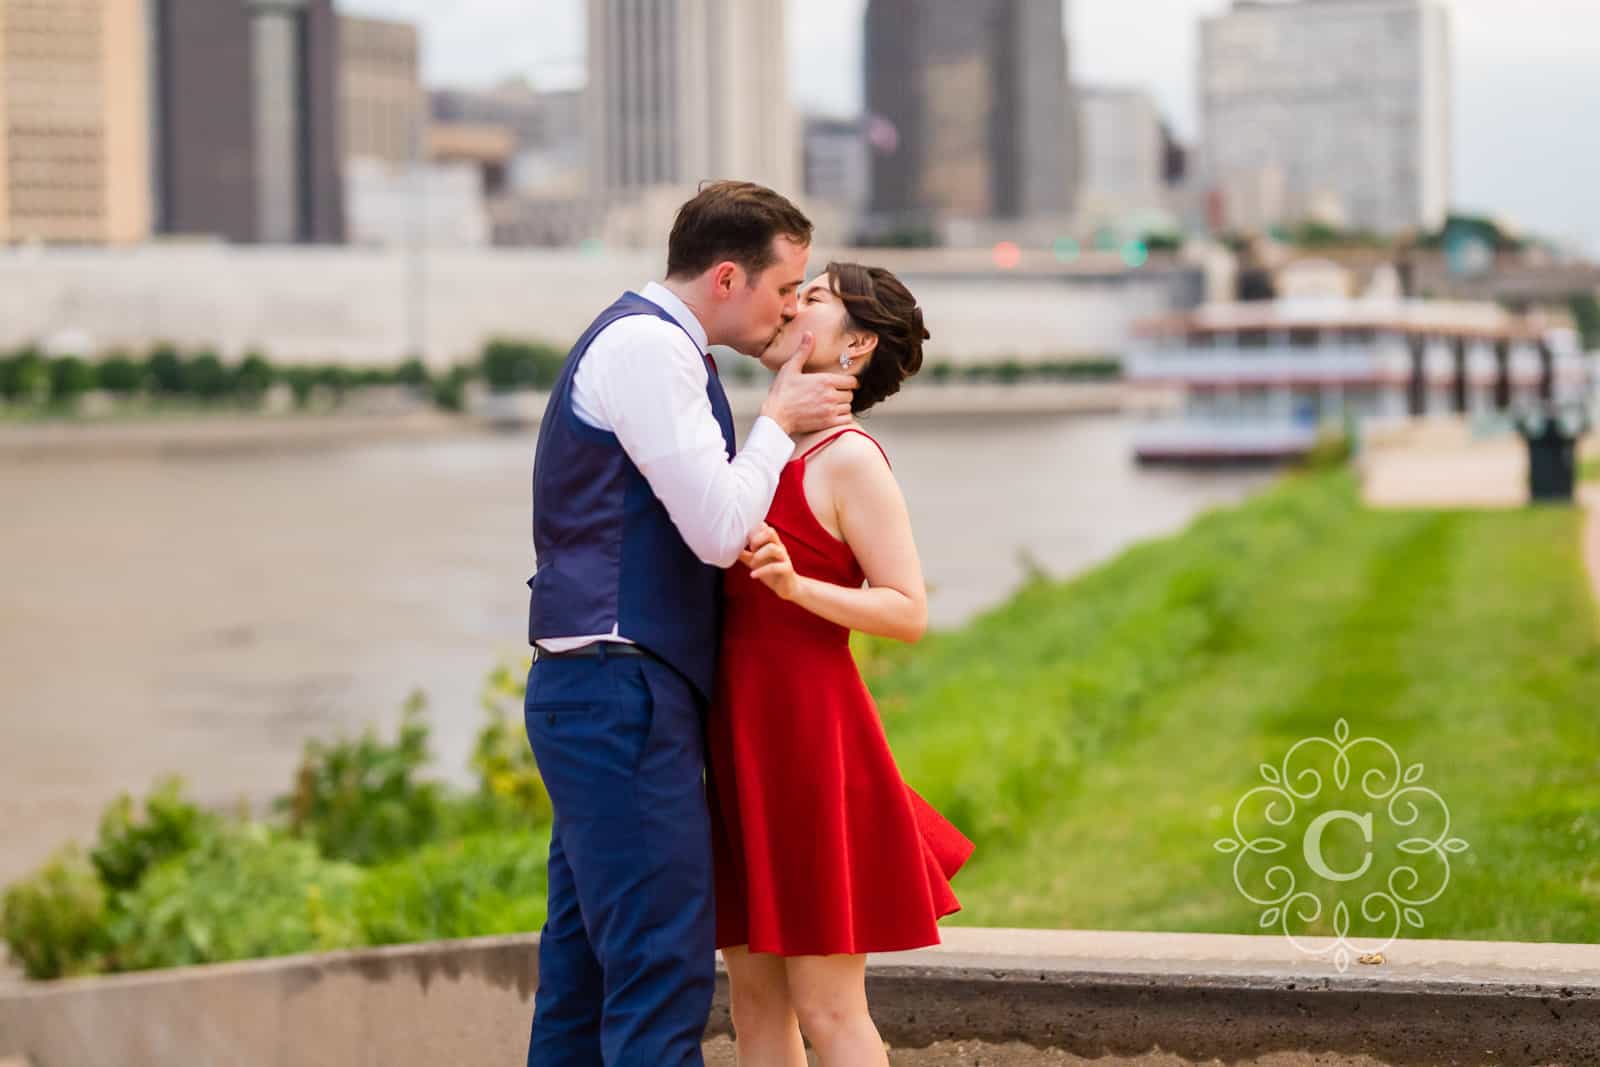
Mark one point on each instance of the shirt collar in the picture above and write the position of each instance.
(668, 301)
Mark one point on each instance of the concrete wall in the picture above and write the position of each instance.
(355, 305)
(1006, 998)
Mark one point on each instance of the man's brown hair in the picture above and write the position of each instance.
(736, 221)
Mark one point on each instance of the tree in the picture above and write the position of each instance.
(121, 375)
(24, 377)
(1586, 315)
(167, 371)
(70, 378)
(413, 373)
(253, 378)
(207, 378)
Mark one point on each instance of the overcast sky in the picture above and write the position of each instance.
(1527, 78)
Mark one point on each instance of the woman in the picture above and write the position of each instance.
(823, 854)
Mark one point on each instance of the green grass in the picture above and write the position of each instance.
(1093, 736)
(1589, 470)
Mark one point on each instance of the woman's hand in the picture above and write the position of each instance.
(769, 563)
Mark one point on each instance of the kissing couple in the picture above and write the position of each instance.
(718, 771)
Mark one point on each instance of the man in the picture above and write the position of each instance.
(638, 502)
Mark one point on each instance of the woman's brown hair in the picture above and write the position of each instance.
(879, 303)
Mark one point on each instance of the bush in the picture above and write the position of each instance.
(253, 378)
(360, 800)
(206, 378)
(127, 848)
(301, 380)
(70, 378)
(449, 392)
(167, 371)
(121, 375)
(54, 921)
(336, 379)
(1585, 309)
(472, 887)
(509, 365)
(508, 777)
(1332, 449)
(413, 373)
(25, 378)
(245, 893)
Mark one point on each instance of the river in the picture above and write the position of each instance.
(207, 613)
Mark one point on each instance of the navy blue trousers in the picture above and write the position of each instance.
(627, 953)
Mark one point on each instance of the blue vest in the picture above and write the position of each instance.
(607, 552)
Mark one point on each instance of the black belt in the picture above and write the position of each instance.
(593, 648)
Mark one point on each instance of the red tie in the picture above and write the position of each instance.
(713, 365)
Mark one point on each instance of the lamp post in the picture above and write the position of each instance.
(417, 246)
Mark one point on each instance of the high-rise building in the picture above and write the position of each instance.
(1125, 149)
(246, 119)
(381, 89)
(1333, 109)
(836, 162)
(976, 101)
(74, 116)
(687, 91)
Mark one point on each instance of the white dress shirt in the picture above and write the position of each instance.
(644, 380)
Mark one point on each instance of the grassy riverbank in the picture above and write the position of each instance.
(1094, 735)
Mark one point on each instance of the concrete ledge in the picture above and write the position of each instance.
(1002, 997)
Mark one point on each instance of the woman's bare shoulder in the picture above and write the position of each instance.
(856, 461)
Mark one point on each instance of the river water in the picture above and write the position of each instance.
(206, 614)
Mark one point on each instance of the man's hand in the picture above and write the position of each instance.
(804, 403)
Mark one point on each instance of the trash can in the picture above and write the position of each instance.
(1552, 437)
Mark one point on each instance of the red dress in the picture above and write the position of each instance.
(820, 846)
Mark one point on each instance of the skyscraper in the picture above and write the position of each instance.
(977, 95)
(683, 91)
(1334, 109)
(1125, 150)
(246, 123)
(74, 111)
(380, 77)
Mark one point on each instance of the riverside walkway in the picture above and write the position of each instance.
(1003, 998)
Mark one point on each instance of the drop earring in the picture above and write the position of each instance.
(844, 360)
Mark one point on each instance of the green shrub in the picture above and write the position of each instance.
(508, 777)
(244, 893)
(70, 378)
(508, 365)
(360, 800)
(1332, 449)
(449, 392)
(121, 375)
(25, 378)
(128, 847)
(207, 378)
(301, 381)
(336, 379)
(53, 922)
(253, 378)
(1009, 372)
(471, 887)
(413, 373)
(167, 372)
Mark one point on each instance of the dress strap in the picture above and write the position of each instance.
(826, 441)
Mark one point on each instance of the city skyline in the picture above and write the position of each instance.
(1519, 92)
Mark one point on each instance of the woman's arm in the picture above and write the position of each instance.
(875, 524)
